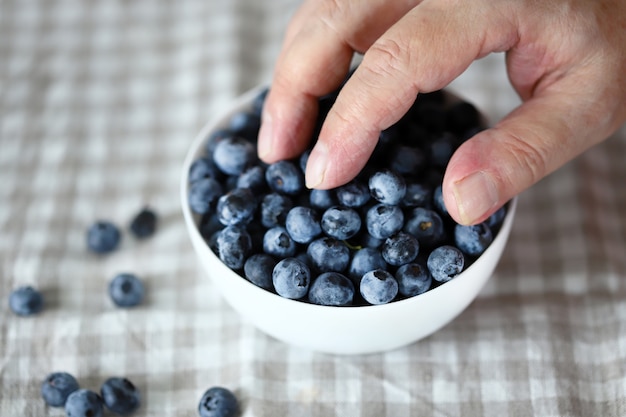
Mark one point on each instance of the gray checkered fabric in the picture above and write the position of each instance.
(99, 101)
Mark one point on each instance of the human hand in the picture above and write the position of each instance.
(565, 58)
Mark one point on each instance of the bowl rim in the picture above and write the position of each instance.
(191, 219)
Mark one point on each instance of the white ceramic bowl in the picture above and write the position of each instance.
(338, 330)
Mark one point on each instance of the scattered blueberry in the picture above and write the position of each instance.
(413, 279)
(445, 263)
(258, 270)
(144, 224)
(341, 222)
(378, 287)
(473, 240)
(26, 301)
(120, 395)
(331, 289)
(234, 154)
(303, 224)
(126, 290)
(57, 387)
(387, 187)
(218, 402)
(103, 237)
(291, 278)
(83, 403)
(284, 177)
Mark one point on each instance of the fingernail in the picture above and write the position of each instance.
(316, 166)
(475, 195)
(265, 138)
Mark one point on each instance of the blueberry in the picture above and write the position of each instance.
(245, 124)
(413, 279)
(120, 395)
(438, 202)
(331, 289)
(328, 254)
(407, 160)
(209, 224)
(417, 195)
(203, 194)
(291, 278)
(427, 226)
(234, 244)
(353, 194)
(203, 168)
(214, 139)
(258, 270)
(304, 158)
(363, 261)
(400, 249)
(218, 402)
(144, 224)
(445, 263)
(234, 154)
(378, 287)
(387, 187)
(277, 242)
(303, 224)
(26, 301)
(236, 207)
(103, 237)
(473, 240)
(441, 149)
(322, 199)
(495, 220)
(284, 177)
(83, 403)
(341, 222)
(126, 290)
(252, 178)
(274, 209)
(383, 221)
(57, 387)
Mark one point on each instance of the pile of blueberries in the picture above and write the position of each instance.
(382, 237)
(118, 395)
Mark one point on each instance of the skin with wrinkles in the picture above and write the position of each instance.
(565, 59)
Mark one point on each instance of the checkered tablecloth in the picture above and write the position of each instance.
(99, 101)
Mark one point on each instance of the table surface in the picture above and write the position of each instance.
(99, 102)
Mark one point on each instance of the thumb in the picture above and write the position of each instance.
(531, 142)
